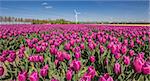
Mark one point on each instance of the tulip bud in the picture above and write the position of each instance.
(126, 60)
(141, 55)
(92, 59)
(131, 52)
(22, 76)
(53, 50)
(67, 46)
(76, 49)
(43, 72)
(72, 42)
(41, 58)
(91, 46)
(77, 55)
(60, 56)
(34, 76)
(69, 75)
(82, 46)
(91, 71)
(86, 77)
(1, 70)
(76, 65)
(125, 42)
(117, 55)
(46, 66)
(106, 61)
(117, 68)
(124, 50)
(56, 62)
(106, 77)
(137, 64)
(113, 49)
(102, 79)
(2, 58)
(132, 44)
(146, 68)
(38, 48)
(67, 56)
(101, 49)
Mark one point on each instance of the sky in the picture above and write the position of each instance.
(108, 10)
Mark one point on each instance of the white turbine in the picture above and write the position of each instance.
(76, 15)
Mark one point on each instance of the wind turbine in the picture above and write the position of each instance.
(76, 15)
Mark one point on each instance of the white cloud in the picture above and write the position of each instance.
(45, 3)
(47, 7)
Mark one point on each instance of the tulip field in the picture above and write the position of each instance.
(74, 52)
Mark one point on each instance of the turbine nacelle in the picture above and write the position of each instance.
(76, 12)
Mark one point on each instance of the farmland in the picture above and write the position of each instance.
(74, 52)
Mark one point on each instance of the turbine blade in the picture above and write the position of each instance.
(78, 13)
(75, 11)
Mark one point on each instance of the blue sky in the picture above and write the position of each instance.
(90, 10)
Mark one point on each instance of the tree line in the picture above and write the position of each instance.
(58, 21)
(34, 21)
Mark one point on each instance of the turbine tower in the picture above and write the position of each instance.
(76, 15)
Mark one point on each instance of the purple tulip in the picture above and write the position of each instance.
(34, 76)
(36, 58)
(67, 56)
(86, 77)
(109, 46)
(76, 65)
(117, 68)
(137, 64)
(106, 61)
(53, 50)
(113, 49)
(2, 58)
(43, 72)
(67, 46)
(41, 59)
(92, 59)
(126, 60)
(106, 77)
(82, 46)
(91, 46)
(125, 42)
(141, 55)
(76, 49)
(72, 42)
(91, 71)
(124, 50)
(56, 62)
(60, 56)
(46, 67)
(146, 68)
(69, 75)
(131, 52)
(102, 79)
(77, 55)
(38, 48)
(101, 49)
(138, 41)
(144, 38)
(1, 70)
(117, 55)
(131, 43)
(22, 76)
